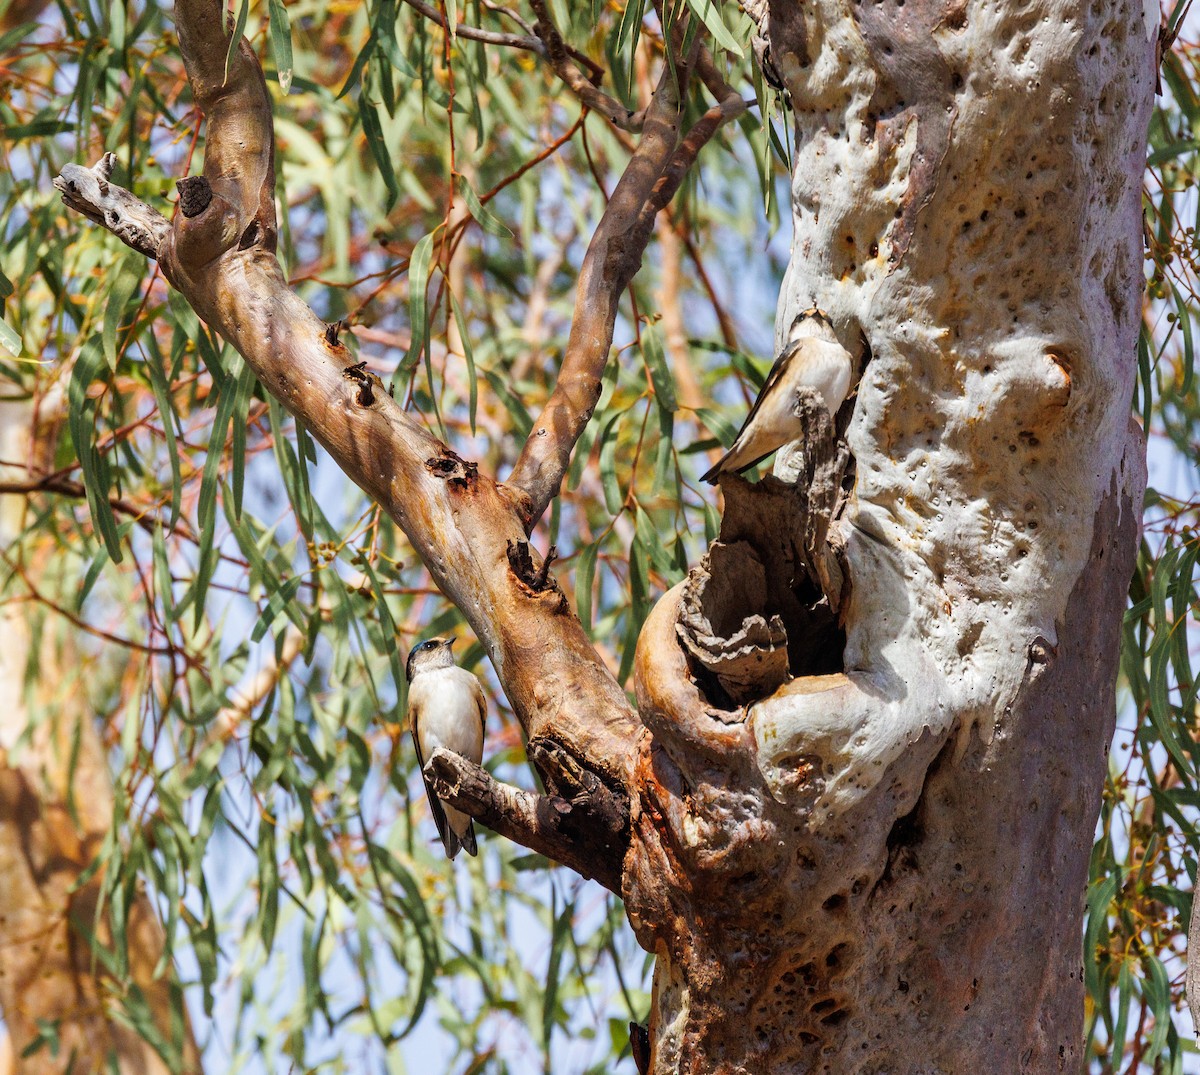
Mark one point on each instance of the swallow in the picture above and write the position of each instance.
(812, 357)
(446, 708)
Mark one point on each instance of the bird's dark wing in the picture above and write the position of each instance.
(468, 838)
(768, 386)
(449, 837)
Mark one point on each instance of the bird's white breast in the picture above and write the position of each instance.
(826, 367)
(816, 364)
(448, 702)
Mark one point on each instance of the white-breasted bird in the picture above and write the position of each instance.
(446, 708)
(814, 357)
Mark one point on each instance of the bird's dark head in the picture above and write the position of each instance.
(432, 653)
(812, 322)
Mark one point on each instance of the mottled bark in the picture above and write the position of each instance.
(882, 868)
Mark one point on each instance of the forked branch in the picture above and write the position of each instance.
(219, 253)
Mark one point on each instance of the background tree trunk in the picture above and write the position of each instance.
(883, 868)
(56, 808)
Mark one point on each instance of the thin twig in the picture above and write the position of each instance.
(144, 517)
(475, 33)
(564, 66)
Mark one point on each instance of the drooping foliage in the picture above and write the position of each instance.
(240, 615)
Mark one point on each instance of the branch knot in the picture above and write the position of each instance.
(459, 473)
(535, 581)
(195, 195)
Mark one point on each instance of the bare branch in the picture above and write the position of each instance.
(474, 33)
(144, 516)
(88, 191)
(561, 59)
(588, 834)
(685, 156)
(614, 255)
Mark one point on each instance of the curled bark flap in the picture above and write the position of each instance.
(748, 658)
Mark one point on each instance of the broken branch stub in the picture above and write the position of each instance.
(761, 606)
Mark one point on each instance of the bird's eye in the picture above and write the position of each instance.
(431, 644)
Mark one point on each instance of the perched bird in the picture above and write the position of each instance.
(812, 357)
(446, 708)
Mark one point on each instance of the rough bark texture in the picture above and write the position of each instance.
(883, 867)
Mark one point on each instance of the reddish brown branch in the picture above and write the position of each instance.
(474, 33)
(614, 255)
(562, 60)
(588, 833)
(459, 521)
(56, 483)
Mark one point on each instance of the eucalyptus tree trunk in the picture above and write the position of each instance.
(63, 1009)
(852, 811)
(882, 867)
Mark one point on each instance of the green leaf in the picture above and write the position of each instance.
(281, 43)
(1184, 320)
(268, 878)
(725, 431)
(10, 339)
(558, 937)
(97, 475)
(663, 454)
(418, 315)
(128, 276)
(522, 420)
(377, 144)
(710, 14)
(469, 355)
(584, 574)
(235, 39)
(625, 43)
(660, 373)
(492, 225)
(242, 391)
(166, 411)
(162, 574)
(614, 499)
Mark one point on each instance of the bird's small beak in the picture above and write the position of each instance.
(450, 642)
